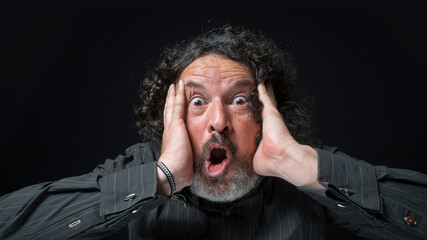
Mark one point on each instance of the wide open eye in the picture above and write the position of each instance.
(240, 100)
(197, 101)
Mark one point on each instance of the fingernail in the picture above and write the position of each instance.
(180, 82)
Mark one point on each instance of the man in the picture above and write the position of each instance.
(227, 155)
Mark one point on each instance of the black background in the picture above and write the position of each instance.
(70, 79)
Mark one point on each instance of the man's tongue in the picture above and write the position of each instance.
(217, 160)
(215, 168)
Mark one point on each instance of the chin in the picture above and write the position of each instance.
(221, 174)
(224, 188)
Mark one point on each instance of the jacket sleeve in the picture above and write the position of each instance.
(87, 206)
(375, 202)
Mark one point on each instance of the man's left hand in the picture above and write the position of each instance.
(278, 153)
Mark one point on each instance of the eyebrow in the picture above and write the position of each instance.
(244, 83)
(191, 84)
(240, 83)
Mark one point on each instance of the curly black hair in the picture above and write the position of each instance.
(264, 58)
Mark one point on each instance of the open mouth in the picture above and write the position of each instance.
(217, 161)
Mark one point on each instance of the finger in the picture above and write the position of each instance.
(264, 97)
(167, 113)
(179, 103)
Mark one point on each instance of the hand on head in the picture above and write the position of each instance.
(176, 151)
(278, 153)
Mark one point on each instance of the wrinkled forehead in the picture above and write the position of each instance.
(220, 69)
(216, 67)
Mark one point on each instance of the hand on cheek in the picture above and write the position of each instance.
(176, 151)
(278, 153)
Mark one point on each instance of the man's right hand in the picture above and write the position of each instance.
(176, 151)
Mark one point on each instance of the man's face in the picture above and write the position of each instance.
(221, 127)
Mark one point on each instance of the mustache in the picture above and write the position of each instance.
(218, 138)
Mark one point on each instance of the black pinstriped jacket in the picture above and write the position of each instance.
(373, 202)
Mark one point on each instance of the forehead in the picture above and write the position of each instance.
(216, 67)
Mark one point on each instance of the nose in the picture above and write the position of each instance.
(219, 120)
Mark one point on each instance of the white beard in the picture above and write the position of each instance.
(223, 189)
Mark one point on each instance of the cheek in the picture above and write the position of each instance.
(246, 120)
(194, 125)
(195, 133)
(246, 130)
(250, 130)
